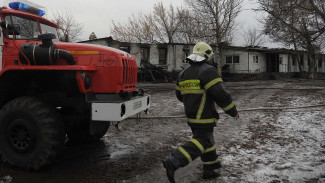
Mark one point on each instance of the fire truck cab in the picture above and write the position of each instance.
(50, 90)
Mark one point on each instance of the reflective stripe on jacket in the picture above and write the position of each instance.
(199, 87)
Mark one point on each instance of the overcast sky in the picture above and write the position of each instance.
(97, 15)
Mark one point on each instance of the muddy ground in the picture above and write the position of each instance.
(266, 145)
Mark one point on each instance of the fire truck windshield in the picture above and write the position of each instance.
(29, 28)
(49, 29)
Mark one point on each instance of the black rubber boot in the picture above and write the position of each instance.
(209, 174)
(208, 170)
(170, 170)
(218, 165)
(212, 166)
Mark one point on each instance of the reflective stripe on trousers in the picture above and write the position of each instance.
(201, 145)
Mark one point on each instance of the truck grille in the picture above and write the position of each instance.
(129, 73)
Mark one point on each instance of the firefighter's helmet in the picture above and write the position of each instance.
(201, 52)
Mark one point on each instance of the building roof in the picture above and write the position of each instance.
(226, 46)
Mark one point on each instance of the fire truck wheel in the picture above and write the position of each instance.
(81, 132)
(30, 133)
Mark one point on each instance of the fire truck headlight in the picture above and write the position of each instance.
(87, 82)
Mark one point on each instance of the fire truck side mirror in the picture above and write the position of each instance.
(13, 29)
(4, 24)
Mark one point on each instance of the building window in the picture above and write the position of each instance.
(186, 53)
(232, 59)
(162, 56)
(294, 60)
(280, 60)
(301, 60)
(320, 63)
(255, 58)
(229, 59)
(145, 55)
(125, 48)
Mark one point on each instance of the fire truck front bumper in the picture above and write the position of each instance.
(118, 110)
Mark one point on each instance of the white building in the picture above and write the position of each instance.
(257, 60)
(252, 60)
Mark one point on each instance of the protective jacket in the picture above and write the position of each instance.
(200, 87)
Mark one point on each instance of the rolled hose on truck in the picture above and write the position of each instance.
(45, 53)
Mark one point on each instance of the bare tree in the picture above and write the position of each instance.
(191, 30)
(217, 18)
(66, 21)
(139, 28)
(294, 23)
(318, 6)
(166, 23)
(120, 32)
(186, 32)
(216, 15)
(253, 37)
(159, 26)
(212, 21)
(147, 28)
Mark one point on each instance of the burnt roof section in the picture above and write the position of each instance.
(224, 46)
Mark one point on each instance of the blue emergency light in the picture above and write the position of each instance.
(27, 8)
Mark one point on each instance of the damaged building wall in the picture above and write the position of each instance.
(256, 62)
(154, 54)
(284, 63)
(170, 57)
(243, 60)
(293, 64)
(235, 58)
(135, 51)
(252, 60)
(176, 56)
(305, 64)
(321, 65)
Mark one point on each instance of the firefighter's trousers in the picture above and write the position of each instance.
(201, 145)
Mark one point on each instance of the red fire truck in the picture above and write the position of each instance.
(50, 90)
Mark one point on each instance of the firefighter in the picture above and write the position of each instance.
(199, 87)
(92, 36)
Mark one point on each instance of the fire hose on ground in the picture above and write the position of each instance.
(239, 110)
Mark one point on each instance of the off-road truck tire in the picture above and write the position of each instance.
(30, 133)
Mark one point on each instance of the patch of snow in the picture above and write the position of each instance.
(301, 160)
(293, 154)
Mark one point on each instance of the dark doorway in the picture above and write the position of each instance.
(162, 56)
(145, 52)
(272, 62)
